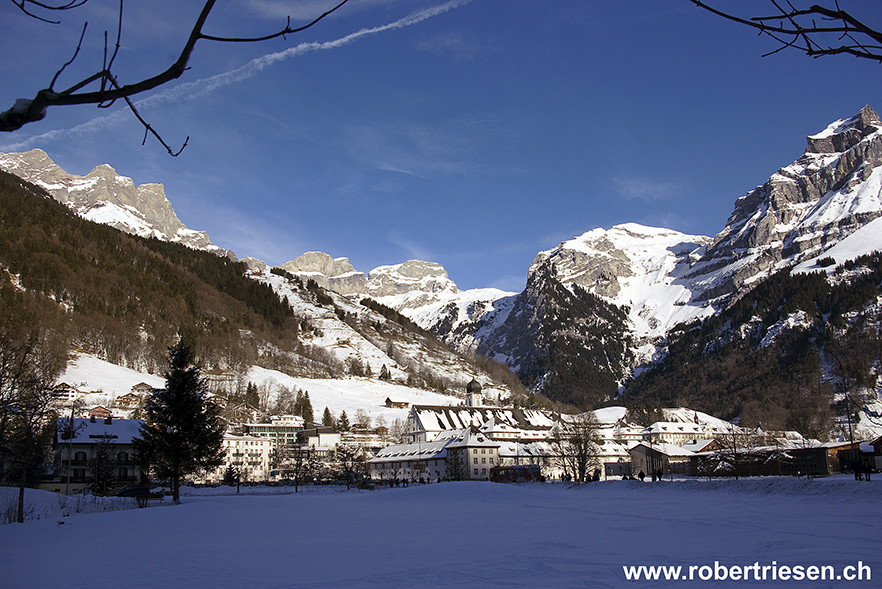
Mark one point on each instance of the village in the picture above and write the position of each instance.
(94, 450)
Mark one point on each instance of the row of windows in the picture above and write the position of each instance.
(484, 460)
(483, 451)
(81, 456)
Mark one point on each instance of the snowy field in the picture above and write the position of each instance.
(455, 535)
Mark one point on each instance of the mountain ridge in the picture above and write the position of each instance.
(648, 279)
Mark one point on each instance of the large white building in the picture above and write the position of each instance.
(250, 457)
(281, 429)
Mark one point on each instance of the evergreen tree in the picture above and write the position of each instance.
(328, 419)
(343, 422)
(252, 398)
(384, 373)
(307, 414)
(182, 433)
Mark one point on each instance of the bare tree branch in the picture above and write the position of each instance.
(816, 31)
(25, 6)
(26, 111)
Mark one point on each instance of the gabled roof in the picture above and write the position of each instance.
(472, 437)
(664, 448)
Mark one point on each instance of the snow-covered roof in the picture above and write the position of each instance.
(665, 448)
(86, 431)
(472, 437)
(411, 452)
(436, 418)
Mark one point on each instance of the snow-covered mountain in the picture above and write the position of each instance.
(103, 196)
(807, 207)
(826, 204)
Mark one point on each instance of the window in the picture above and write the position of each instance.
(483, 450)
(491, 460)
(484, 460)
(483, 471)
(80, 456)
(476, 460)
(476, 471)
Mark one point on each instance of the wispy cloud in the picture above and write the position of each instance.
(463, 46)
(204, 86)
(412, 250)
(645, 189)
(417, 150)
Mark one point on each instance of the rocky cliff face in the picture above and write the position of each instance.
(104, 196)
(815, 202)
(335, 274)
(562, 341)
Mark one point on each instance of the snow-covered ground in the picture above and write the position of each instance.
(109, 381)
(457, 535)
(352, 394)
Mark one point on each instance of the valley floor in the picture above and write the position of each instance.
(452, 535)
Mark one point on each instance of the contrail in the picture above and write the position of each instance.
(198, 88)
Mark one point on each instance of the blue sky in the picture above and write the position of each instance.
(474, 135)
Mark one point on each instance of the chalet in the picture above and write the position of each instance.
(129, 401)
(94, 453)
(99, 412)
(142, 388)
(396, 404)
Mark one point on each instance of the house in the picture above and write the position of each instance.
(99, 412)
(322, 440)
(696, 446)
(396, 404)
(129, 401)
(142, 388)
(94, 453)
(660, 456)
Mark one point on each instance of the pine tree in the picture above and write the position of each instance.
(343, 422)
(308, 417)
(252, 398)
(328, 419)
(182, 433)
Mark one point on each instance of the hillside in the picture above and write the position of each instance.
(127, 298)
(782, 354)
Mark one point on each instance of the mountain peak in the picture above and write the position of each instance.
(104, 196)
(843, 134)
